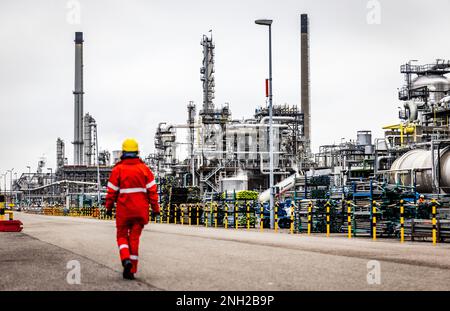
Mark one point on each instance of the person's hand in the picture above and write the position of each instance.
(155, 208)
(108, 212)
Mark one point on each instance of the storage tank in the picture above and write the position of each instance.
(364, 138)
(116, 154)
(236, 183)
(420, 160)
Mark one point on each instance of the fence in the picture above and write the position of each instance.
(401, 220)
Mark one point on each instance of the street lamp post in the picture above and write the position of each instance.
(10, 184)
(29, 182)
(15, 181)
(51, 182)
(4, 182)
(268, 22)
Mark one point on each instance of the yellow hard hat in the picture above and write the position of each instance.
(130, 145)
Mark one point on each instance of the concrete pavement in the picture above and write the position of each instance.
(175, 257)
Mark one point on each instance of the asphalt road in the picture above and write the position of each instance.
(175, 257)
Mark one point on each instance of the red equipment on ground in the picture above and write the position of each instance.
(11, 226)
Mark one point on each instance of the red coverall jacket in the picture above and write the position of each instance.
(132, 185)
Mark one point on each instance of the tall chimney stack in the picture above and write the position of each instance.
(78, 100)
(305, 85)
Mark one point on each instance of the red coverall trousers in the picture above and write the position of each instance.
(128, 241)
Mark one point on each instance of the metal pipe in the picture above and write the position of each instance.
(277, 118)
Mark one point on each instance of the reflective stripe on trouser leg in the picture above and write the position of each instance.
(135, 234)
(124, 249)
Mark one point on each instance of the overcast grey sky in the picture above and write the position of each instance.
(142, 61)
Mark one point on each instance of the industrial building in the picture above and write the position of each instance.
(213, 156)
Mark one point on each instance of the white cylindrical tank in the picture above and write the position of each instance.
(420, 160)
(437, 84)
(364, 138)
(116, 154)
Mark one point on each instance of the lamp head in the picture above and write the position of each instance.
(266, 22)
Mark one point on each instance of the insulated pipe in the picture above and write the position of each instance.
(284, 185)
(264, 119)
(243, 125)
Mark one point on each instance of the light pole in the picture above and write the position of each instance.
(10, 184)
(268, 22)
(15, 181)
(29, 182)
(51, 182)
(4, 182)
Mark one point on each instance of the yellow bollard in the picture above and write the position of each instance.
(10, 215)
(190, 208)
(226, 215)
(168, 214)
(198, 220)
(349, 219)
(176, 214)
(433, 221)
(182, 214)
(402, 222)
(309, 217)
(216, 215)
(328, 204)
(276, 216)
(261, 218)
(248, 216)
(374, 221)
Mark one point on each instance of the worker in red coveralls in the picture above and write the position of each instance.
(132, 186)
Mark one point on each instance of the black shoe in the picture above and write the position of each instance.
(127, 265)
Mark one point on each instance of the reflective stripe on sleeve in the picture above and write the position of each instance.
(132, 190)
(151, 184)
(112, 186)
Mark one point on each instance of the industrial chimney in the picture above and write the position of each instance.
(304, 60)
(78, 100)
